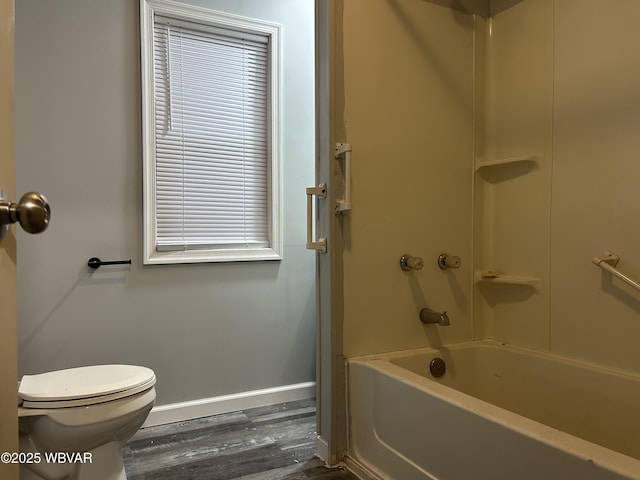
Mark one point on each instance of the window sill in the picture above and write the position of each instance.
(212, 256)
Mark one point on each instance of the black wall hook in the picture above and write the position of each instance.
(95, 262)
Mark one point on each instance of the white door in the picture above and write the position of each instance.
(8, 334)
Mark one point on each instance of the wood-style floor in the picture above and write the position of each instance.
(268, 443)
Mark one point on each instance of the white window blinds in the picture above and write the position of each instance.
(211, 137)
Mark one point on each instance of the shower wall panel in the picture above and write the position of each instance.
(409, 116)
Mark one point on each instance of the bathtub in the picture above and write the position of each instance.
(498, 413)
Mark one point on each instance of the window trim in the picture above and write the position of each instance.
(148, 9)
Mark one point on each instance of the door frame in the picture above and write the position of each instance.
(8, 322)
(330, 129)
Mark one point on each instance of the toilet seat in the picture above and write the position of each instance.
(84, 386)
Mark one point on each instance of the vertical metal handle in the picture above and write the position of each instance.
(321, 244)
(343, 150)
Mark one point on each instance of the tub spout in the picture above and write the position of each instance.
(431, 316)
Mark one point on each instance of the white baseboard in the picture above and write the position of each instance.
(178, 412)
(322, 449)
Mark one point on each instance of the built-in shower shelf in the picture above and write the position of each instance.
(493, 277)
(481, 163)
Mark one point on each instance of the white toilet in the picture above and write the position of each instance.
(72, 422)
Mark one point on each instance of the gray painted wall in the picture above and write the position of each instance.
(206, 330)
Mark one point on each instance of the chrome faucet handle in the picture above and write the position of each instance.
(448, 261)
(408, 263)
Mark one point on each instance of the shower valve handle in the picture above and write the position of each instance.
(408, 263)
(448, 261)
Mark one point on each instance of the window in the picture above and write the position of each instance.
(210, 135)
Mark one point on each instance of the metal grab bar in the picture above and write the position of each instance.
(608, 261)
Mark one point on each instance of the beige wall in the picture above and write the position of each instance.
(512, 200)
(408, 83)
(596, 180)
(561, 80)
(554, 80)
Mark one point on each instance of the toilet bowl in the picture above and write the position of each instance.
(73, 422)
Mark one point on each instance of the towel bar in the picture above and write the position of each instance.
(95, 262)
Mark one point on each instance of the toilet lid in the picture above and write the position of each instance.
(84, 382)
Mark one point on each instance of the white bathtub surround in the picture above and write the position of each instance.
(177, 412)
(499, 413)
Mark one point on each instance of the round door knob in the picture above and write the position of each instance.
(32, 212)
